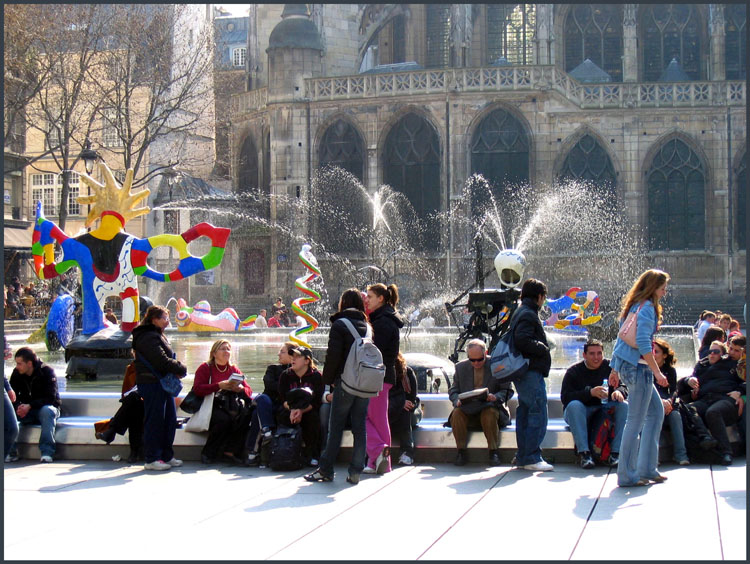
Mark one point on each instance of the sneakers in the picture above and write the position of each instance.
(12, 458)
(613, 459)
(368, 470)
(683, 462)
(540, 466)
(45, 458)
(585, 461)
(383, 460)
(460, 457)
(353, 479)
(405, 459)
(158, 465)
(313, 462)
(174, 462)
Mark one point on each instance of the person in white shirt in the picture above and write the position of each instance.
(708, 319)
(260, 321)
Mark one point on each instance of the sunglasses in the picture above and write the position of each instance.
(715, 351)
(476, 359)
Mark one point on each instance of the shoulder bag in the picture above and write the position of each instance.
(201, 419)
(629, 328)
(169, 382)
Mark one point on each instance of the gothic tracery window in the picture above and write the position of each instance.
(412, 166)
(594, 31)
(342, 146)
(676, 198)
(438, 35)
(510, 33)
(735, 48)
(670, 31)
(588, 162)
(250, 182)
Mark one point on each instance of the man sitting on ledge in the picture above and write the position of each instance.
(584, 395)
(489, 412)
(37, 399)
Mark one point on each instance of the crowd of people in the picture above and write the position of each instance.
(616, 408)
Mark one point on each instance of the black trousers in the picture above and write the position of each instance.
(226, 432)
(130, 418)
(310, 425)
(400, 423)
(718, 411)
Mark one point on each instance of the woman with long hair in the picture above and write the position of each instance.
(666, 359)
(402, 409)
(637, 367)
(154, 359)
(713, 333)
(230, 416)
(343, 404)
(386, 325)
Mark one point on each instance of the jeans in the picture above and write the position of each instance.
(262, 417)
(577, 416)
(325, 416)
(645, 417)
(344, 404)
(160, 422)
(11, 425)
(674, 422)
(46, 416)
(531, 417)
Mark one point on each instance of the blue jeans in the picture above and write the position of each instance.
(531, 417)
(262, 417)
(160, 422)
(577, 416)
(46, 416)
(11, 425)
(342, 405)
(645, 417)
(674, 422)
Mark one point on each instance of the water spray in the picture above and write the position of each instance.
(311, 263)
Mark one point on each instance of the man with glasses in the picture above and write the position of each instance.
(486, 411)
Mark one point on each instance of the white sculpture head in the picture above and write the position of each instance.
(509, 265)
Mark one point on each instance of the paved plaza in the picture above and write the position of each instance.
(81, 510)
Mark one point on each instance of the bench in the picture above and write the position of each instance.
(80, 410)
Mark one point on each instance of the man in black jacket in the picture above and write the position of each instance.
(531, 342)
(37, 398)
(585, 396)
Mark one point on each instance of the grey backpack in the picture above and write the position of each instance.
(364, 370)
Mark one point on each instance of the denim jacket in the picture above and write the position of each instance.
(646, 327)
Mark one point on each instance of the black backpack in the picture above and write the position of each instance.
(286, 449)
(694, 430)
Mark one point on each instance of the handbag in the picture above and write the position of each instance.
(191, 403)
(629, 329)
(169, 382)
(200, 421)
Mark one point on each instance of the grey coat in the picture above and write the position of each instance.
(463, 381)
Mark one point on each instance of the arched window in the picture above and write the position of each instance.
(342, 146)
(411, 165)
(587, 161)
(398, 39)
(670, 31)
(343, 204)
(510, 33)
(438, 35)
(741, 214)
(594, 31)
(735, 29)
(500, 152)
(250, 182)
(676, 198)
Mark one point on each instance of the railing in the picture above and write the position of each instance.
(519, 78)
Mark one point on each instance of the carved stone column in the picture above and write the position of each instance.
(544, 14)
(717, 69)
(629, 44)
(460, 35)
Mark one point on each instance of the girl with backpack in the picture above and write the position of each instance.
(386, 326)
(343, 404)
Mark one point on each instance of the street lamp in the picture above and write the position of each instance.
(89, 157)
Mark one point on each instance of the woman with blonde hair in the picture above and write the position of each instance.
(230, 416)
(637, 367)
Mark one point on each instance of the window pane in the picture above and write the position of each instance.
(438, 31)
(670, 31)
(587, 161)
(595, 32)
(510, 32)
(735, 28)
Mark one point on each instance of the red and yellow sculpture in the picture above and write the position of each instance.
(109, 258)
(311, 296)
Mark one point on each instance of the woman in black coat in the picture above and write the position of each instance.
(160, 422)
(343, 404)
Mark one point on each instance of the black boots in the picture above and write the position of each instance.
(460, 457)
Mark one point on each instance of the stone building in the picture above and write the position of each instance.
(645, 101)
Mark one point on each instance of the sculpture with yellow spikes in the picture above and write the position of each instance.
(108, 257)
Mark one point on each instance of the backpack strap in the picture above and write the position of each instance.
(353, 331)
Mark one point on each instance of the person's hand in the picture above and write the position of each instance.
(661, 379)
(599, 392)
(295, 416)
(226, 385)
(667, 406)
(693, 382)
(491, 397)
(23, 410)
(617, 396)
(614, 379)
(12, 395)
(458, 403)
(329, 397)
(408, 405)
(738, 400)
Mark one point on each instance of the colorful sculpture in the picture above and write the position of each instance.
(311, 263)
(200, 318)
(577, 320)
(109, 258)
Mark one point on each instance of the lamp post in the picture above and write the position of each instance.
(89, 157)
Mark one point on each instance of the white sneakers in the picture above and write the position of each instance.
(45, 458)
(158, 465)
(540, 466)
(175, 462)
(405, 459)
(12, 458)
